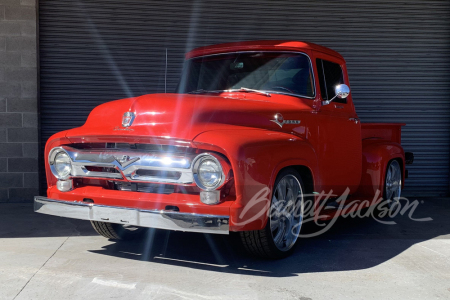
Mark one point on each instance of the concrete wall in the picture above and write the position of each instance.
(18, 101)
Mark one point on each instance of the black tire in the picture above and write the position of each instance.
(117, 231)
(389, 196)
(260, 242)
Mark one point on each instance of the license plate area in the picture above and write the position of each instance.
(114, 215)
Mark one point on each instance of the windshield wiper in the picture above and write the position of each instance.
(244, 89)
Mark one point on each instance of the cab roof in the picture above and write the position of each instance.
(264, 45)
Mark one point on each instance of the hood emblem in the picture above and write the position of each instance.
(125, 160)
(128, 119)
(280, 121)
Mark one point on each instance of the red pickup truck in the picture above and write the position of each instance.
(253, 131)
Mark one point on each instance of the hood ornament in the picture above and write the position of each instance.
(125, 160)
(128, 119)
(280, 121)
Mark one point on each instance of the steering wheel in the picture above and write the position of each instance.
(283, 88)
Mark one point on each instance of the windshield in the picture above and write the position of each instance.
(277, 72)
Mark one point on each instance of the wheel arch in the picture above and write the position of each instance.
(303, 170)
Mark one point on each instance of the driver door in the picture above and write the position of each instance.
(339, 133)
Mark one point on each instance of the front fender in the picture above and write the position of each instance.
(376, 155)
(256, 157)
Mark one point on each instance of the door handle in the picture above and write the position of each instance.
(356, 120)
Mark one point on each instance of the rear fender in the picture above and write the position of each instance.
(376, 155)
(256, 157)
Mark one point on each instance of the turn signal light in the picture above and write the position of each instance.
(64, 185)
(210, 197)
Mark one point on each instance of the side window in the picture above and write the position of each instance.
(330, 74)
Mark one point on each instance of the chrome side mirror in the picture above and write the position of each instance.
(341, 90)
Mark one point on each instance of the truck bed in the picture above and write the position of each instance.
(386, 131)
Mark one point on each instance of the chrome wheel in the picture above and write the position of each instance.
(393, 184)
(286, 212)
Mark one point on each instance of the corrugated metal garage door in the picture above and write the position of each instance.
(93, 51)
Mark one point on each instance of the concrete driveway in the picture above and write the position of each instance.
(45, 257)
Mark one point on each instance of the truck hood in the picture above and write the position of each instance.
(183, 117)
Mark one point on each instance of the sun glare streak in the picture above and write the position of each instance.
(214, 249)
(149, 239)
(105, 52)
(190, 43)
(152, 113)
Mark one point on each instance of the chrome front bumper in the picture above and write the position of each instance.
(131, 216)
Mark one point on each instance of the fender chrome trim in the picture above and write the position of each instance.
(132, 216)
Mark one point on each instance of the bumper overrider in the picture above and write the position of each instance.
(131, 216)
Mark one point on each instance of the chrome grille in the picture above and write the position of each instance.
(131, 164)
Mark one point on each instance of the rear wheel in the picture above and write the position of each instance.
(278, 238)
(393, 185)
(117, 231)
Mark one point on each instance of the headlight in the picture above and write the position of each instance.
(208, 173)
(60, 164)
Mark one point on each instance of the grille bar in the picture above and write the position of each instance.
(145, 187)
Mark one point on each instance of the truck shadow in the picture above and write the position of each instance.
(350, 244)
(18, 220)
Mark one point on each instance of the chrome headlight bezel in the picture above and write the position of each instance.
(198, 160)
(51, 160)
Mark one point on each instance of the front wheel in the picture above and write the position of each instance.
(278, 238)
(117, 231)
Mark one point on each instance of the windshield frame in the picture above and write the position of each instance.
(264, 51)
